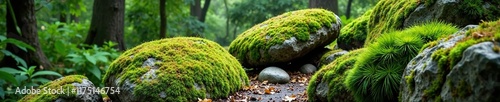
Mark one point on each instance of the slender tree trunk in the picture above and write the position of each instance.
(332, 5)
(348, 9)
(163, 20)
(107, 23)
(24, 17)
(227, 19)
(203, 13)
(199, 13)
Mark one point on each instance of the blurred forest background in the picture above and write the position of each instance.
(41, 40)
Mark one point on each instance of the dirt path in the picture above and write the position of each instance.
(294, 91)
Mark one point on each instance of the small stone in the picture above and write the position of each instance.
(274, 75)
(308, 69)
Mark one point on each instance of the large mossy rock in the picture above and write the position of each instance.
(175, 69)
(327, 85)
(72, 86)
(463, 67)
(285, 37)
(390, 15)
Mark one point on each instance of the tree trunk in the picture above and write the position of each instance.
(107, 23)
(203, 13)
(24, 18)
(332, 5)
(199, 13)
(348, 9)
(227, 20)
(163, 20)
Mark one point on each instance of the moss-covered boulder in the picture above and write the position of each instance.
(327, 85)
(390, 15)
(378, 70)
(463, 67)
(175, 69)
(71, 88)
(285, 37)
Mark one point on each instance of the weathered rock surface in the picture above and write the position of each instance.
(422, 70)
(274, 75)
(308, 68)
(330, 57)
(475, 77)
(457, 12)
(286, 37)
(67, 84)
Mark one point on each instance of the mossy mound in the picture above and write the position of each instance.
(390, 15)
(175, 69)
(378, 70)
(333, 76)
(285, 37)
(449, 57)
(70, 85)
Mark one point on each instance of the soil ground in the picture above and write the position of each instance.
(294, 91)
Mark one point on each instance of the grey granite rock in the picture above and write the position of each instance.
(274, 75)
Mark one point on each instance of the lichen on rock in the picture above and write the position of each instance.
(285, 37)
(175, 69)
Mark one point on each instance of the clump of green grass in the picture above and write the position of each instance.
(377, 72)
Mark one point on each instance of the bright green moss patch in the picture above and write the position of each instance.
(353, 35)
(410, 81)
(65, 83)
(254, 42)
(334, 75)
(388, 15)
(447, 58)
(185, 69)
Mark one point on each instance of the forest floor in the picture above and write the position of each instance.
(294, 91)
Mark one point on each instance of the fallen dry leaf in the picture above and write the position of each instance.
(264, 82)
(289, 98)
(302, 79)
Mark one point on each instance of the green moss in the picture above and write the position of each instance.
(334, 73)
(183, 63)
(410, 81)
(428, 45)
(274, 31)
(66, 83)
(449, 57)
(387, 16)
(354, 33)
